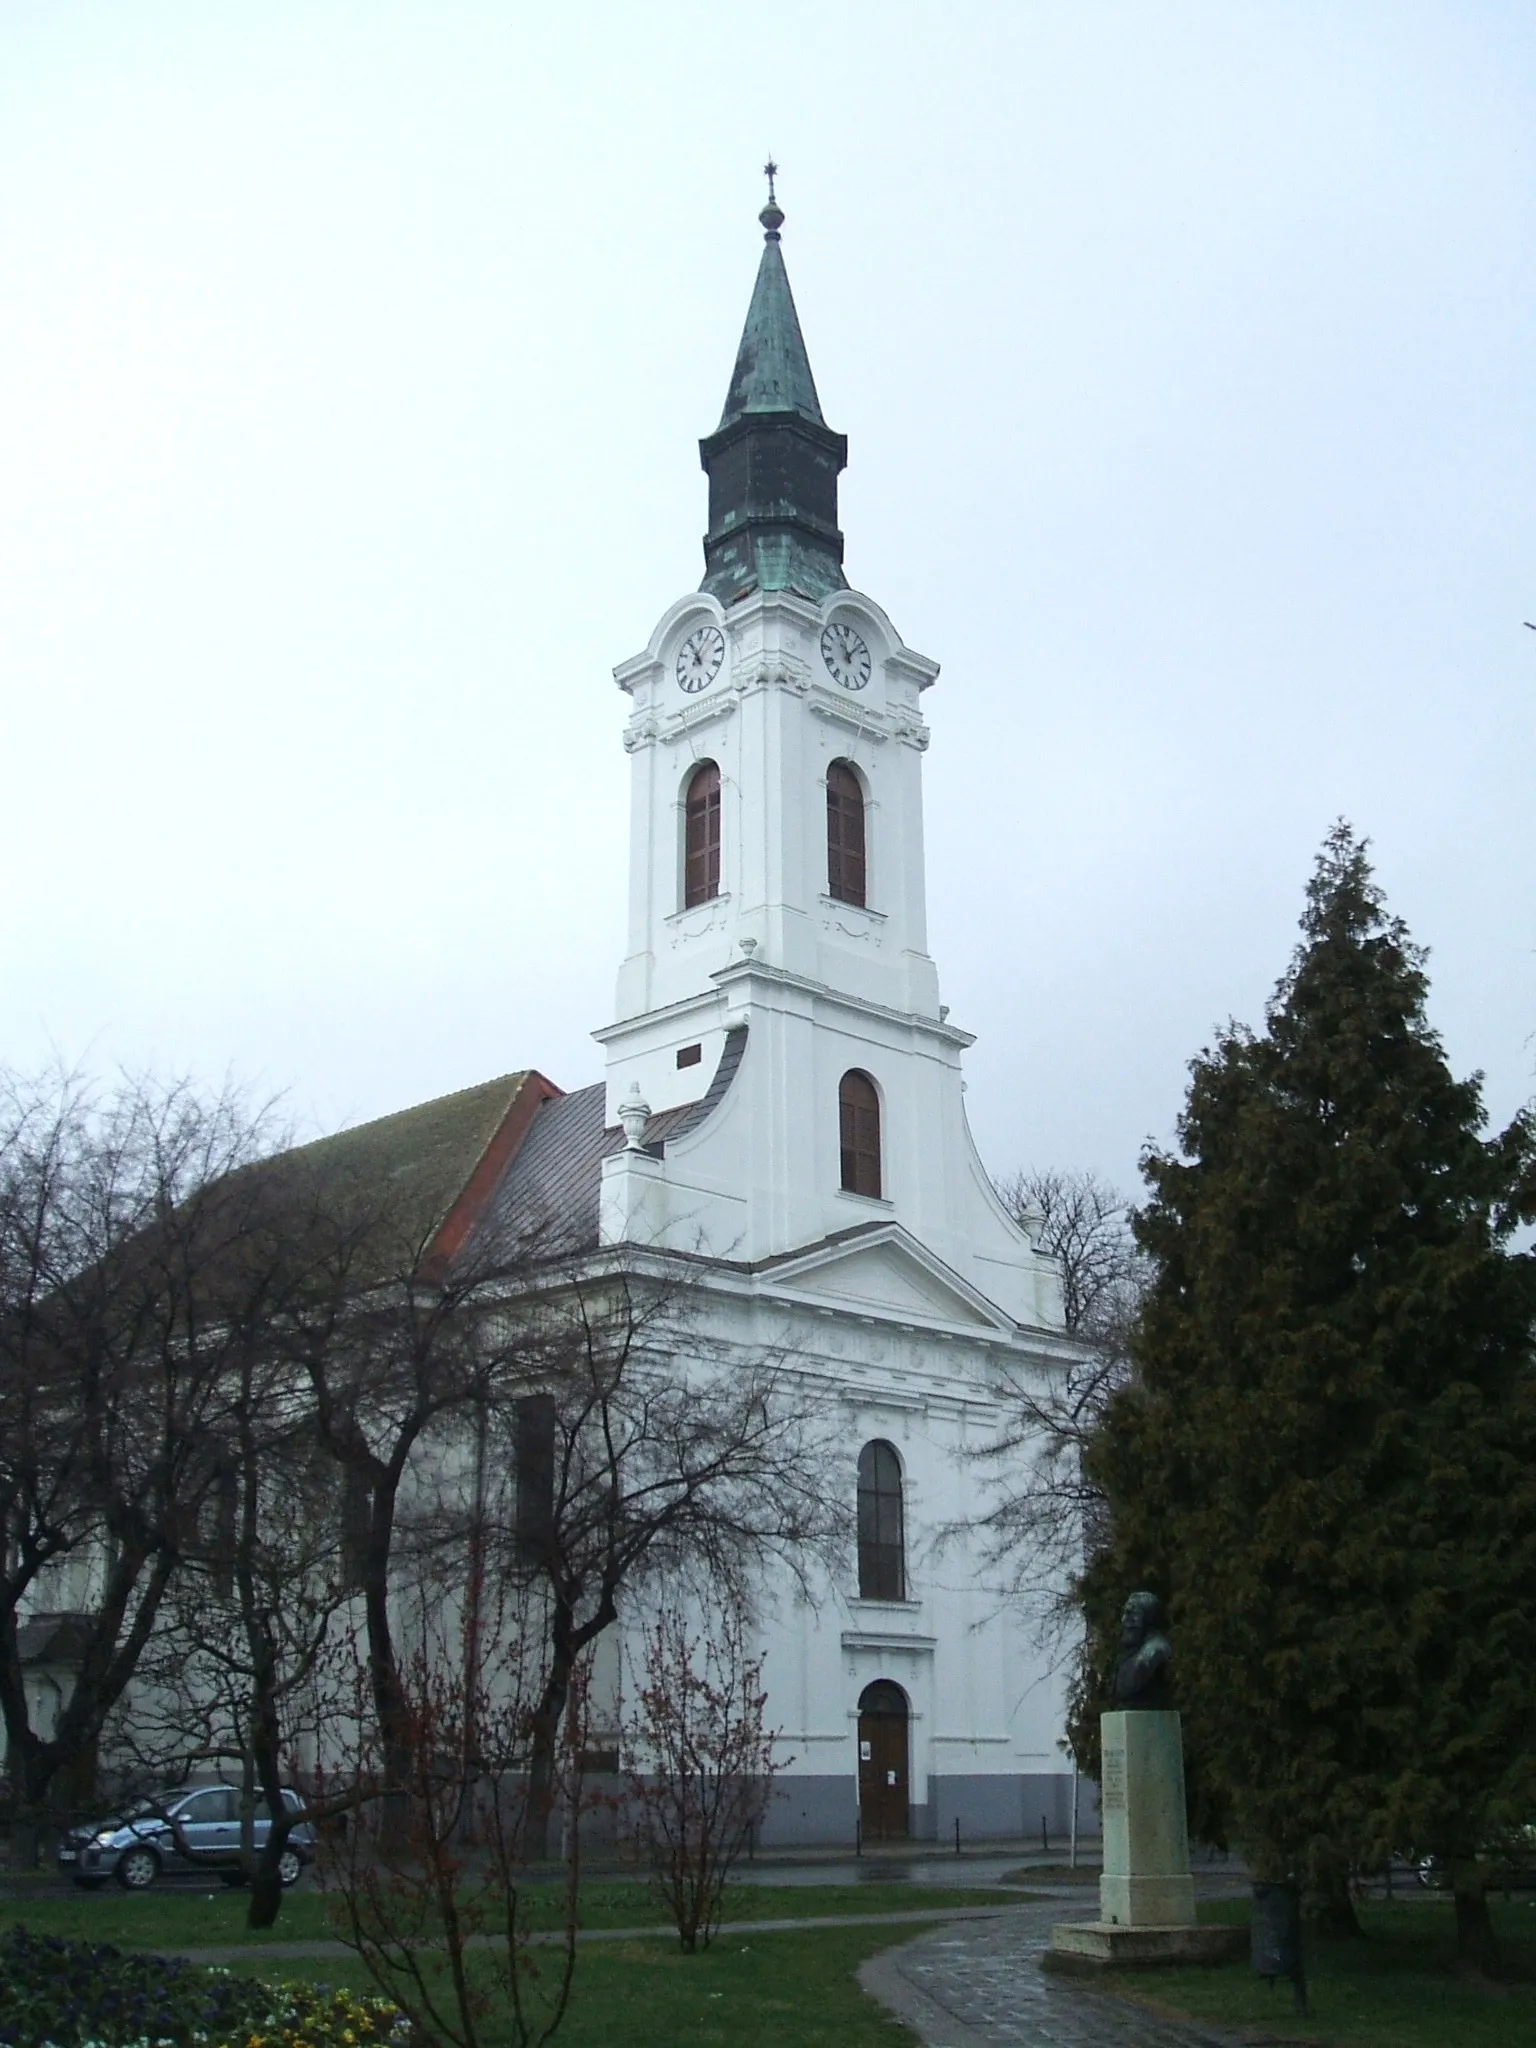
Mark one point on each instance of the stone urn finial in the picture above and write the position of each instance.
(634, 1115)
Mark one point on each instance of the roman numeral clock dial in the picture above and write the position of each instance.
(699, 659)
(846, 656)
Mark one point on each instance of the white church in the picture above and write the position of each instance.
(783, 1105)
(783, 1101)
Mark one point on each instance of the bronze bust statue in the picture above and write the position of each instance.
(1143, 1675)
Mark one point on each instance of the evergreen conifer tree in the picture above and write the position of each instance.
(1326, 1460)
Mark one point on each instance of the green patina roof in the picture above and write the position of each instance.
(773, 371)
(422, 1157)
(773, 462)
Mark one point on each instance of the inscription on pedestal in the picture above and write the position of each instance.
(1112, 1792)
(1146, 1881)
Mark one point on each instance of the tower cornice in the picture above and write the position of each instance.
(744, 981)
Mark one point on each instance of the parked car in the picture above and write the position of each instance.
(1513, 1858)
(137, 1848)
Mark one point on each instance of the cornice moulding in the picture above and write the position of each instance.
(740, 971)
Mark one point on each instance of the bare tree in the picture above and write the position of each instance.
(1085, 1225)
(702, 1764)
(183, 1320)
(252, 1668)
(1041, 1518)
(404, 1353)
(133, 1273)
(645, 1458)
(439, 1911)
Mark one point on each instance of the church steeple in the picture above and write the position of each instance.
(773, 462)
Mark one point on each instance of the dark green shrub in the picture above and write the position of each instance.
(78, 1994)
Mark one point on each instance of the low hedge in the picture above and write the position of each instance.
(80, 1994)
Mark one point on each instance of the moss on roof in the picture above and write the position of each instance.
(419, 1158)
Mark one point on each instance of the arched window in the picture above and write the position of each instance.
(701, 835)
(882, 1536)
(845, 834)
(858, 1116)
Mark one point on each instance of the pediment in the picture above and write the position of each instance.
(888, 1276)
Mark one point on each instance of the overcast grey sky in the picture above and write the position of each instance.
(352, 364)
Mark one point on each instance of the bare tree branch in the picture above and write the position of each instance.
(132, 1275)
(661, 1460)
(1039, 1524)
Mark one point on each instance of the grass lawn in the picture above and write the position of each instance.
(767, 1991)
(176, 1917)
(1399, 1989)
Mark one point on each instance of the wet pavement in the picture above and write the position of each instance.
(978, 1984)
(946, 1871)
(1024, 1863)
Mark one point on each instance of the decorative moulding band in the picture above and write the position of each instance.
(704, 712)
(864, 720)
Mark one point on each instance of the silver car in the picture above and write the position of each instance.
(136, 1849)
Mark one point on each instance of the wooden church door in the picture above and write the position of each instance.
(884, 1787)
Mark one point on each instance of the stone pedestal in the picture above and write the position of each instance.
(1088, 1946)
(1146, 1894)
(1146, 1881)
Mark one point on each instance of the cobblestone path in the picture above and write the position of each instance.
(977, 1984)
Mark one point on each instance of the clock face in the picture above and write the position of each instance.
(699, 659)
(846, 656)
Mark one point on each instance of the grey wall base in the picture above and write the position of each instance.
(822, 1812)
(811, 1811)
(1012, 1808)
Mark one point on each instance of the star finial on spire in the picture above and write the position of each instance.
(772, 215)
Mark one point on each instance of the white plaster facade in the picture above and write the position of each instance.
(904, 1310)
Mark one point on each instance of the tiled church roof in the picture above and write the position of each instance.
(425, 1159)
(511, 1168)
(550, 1189)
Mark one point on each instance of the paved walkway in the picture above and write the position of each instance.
(979, 1985)
(972, 1981)
(313, 1951)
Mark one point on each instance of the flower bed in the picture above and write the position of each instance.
(78, 1994)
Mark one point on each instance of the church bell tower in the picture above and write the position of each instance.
(779, 1056)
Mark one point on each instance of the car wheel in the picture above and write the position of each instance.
(290, 1867)
(137, 1869)
(1430, 1873)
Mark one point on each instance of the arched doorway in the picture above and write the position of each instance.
(884, 1782)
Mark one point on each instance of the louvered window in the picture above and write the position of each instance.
(701, 836)
(356, 1526)
(882, 1534)
(845, 834)
(226, 1520)
(534, 1444)
(858, 1111)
